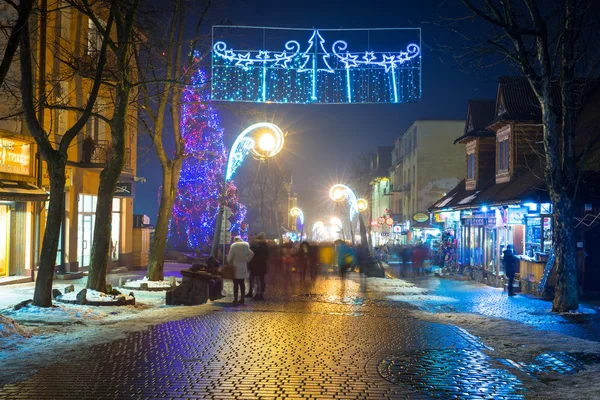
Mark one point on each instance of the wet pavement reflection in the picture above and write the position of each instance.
(329, 339)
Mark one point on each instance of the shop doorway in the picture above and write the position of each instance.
(592, 260)
(86, 220)
(4, 239)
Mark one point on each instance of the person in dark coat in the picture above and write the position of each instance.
(258, 266)
(509, 267)
(216, 284)
(304, 260)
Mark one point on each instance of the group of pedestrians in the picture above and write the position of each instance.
(249, 261)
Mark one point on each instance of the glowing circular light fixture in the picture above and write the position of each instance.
(336, 193)
(339, 191)
(266, 142)
(362, 204)
(270, 140)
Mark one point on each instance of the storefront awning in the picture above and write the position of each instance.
(21, 191)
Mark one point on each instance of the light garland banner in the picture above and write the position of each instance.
(320, 66)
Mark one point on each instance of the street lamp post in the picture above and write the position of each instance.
(298, 213)
(367, 264)
(270, 142)
(337, 193)
(362, 205)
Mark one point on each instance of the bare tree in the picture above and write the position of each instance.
(549, 44)
(162, 89)
(123, 83)
(266, 191)
(23, 10)
(55, 155)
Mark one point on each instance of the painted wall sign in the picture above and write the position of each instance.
(517, 215)
(15, 157)
(321, 66)
(421, 217)
(46, 177)
(124, 189)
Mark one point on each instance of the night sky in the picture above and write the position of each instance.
(323, 139)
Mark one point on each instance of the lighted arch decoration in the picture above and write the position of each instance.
(245, 144)
(334, 194)
(322, 66)
(297, 213)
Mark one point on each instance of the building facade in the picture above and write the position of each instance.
(68, 35)
(427, 166)
(503, 198)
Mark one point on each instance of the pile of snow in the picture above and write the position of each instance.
(9, 328)
(56, 313)
(164, 284)
(94, 296)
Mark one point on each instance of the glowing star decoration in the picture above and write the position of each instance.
(338, 192)
(269, 144)
(315, 66)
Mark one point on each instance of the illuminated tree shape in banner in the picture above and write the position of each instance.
(197, 202)
(317, 75)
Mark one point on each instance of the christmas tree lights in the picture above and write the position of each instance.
(316, 71)
(201, 181)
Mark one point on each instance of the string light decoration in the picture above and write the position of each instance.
(315, 66)
(201, 182)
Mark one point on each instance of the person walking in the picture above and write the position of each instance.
(258, 266)
(345, 257)
(509, 267)
(239, 256)
(303, 257)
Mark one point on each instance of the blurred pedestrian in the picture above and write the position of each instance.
(239, 256)
(303, 260)
(258, 266)
(345, 257)
(216, 284)
(509, 260)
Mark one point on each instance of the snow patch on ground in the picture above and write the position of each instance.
(60, 313)
(165, 284)
(9, 328)
(422, 299)
(396, 286)
(95, 296)
(582, 310)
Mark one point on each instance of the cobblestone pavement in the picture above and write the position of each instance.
(334, 339)
(473, 297)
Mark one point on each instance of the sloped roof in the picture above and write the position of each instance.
(516, 100)
(480, 114)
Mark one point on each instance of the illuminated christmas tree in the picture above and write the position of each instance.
(201, 181)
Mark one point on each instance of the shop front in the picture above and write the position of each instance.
(18, 196)
(477, 239)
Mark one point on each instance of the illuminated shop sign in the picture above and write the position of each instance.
(15, 157)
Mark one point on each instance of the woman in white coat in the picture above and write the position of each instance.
(239, 256)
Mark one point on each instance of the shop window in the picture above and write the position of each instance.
(471, 166)
(115, 230)
(503, 153)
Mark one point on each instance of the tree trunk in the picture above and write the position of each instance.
(42, 296)
(108, 181)
(566, 297)
(170, 183)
